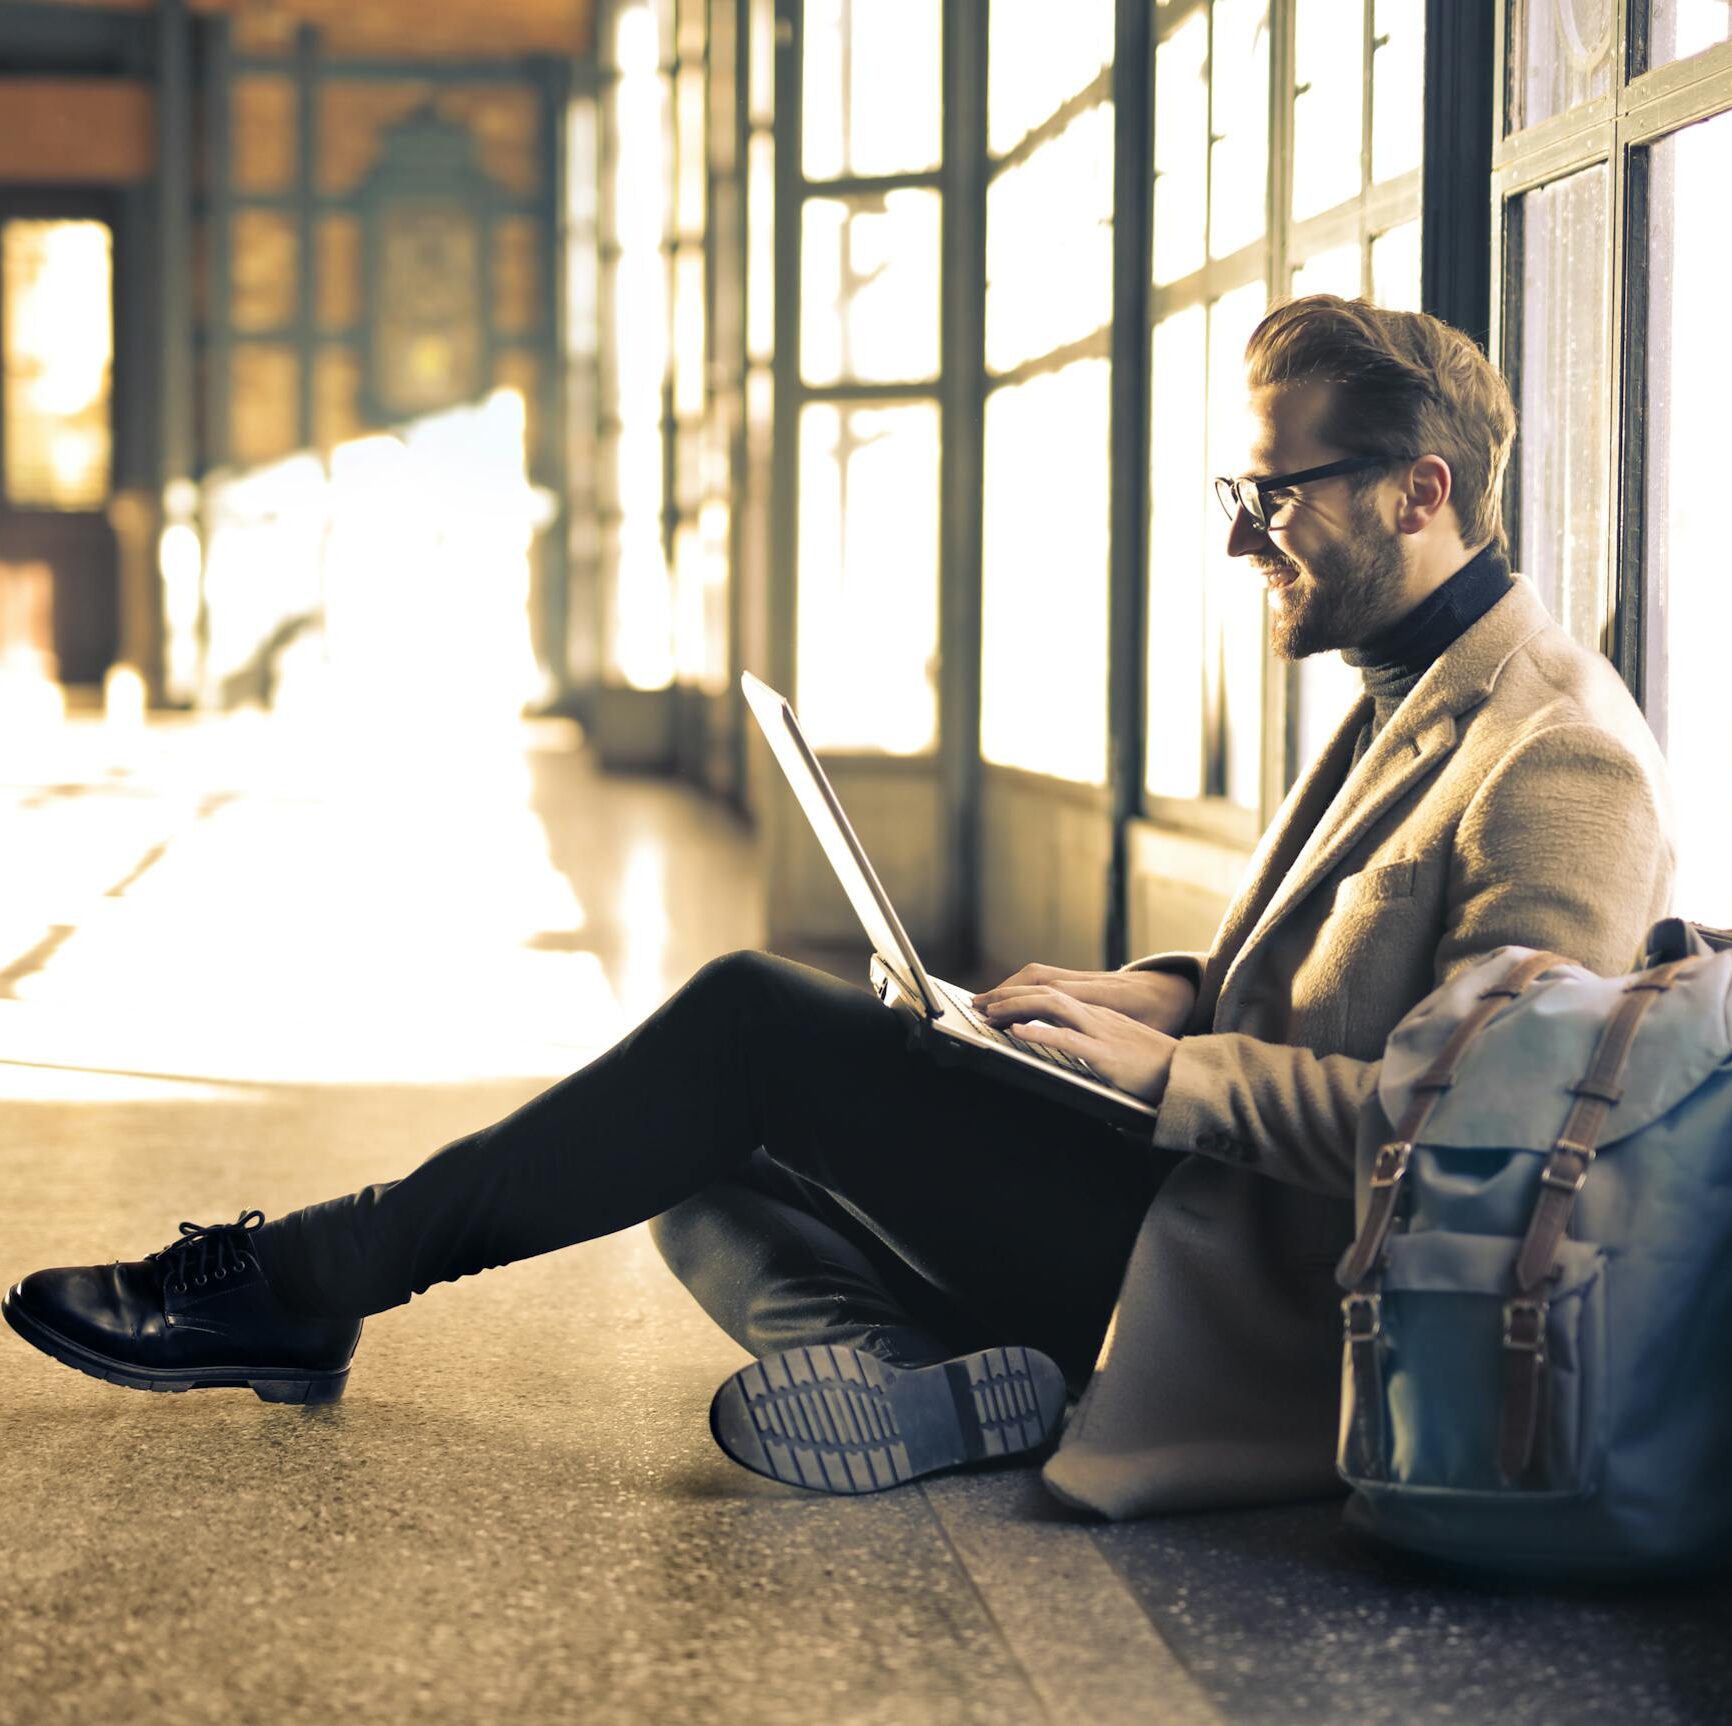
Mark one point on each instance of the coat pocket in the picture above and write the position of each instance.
(1385, 881)
(1438, 1372)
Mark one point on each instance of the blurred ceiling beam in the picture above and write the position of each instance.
(399, 29)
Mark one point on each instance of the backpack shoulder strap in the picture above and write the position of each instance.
(1561, 1180)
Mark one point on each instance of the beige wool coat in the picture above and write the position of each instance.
(1516, 797)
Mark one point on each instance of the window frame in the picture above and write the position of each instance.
(1284, 246)
(1644, 106)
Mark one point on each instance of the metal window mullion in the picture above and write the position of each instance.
(1627, 632)
(1615, 401)
(1129, 434)
(962, 464)
(865, 185)
(219, 253)
(785, 365)
(1280, 678)
(307, 63)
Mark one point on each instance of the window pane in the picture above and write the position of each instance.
(1183, 515)
(760, 245)
(1239, 117)
(1044, 613)
(1032, 68)
(1057, 203)
(1564, 416)
(689, 331)
(1328, 103)
(689, 108)
(1328, 688)
(56, 300)
(637, 581)
(872, 87)
(1336, 271)
(1395, 268)
(867, 635)
(761, 53)
(1679, 28)
(1233, 596)
(1397, 87)
(1560, 56)
(1688, 602)
(869, 288)
(1181, 149)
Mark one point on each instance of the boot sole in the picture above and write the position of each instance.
(284, 1384)
(835, 1420)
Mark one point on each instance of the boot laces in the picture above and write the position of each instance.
(220, 1246)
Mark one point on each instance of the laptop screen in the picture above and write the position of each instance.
(847, 857)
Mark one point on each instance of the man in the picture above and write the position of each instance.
(925, 1261)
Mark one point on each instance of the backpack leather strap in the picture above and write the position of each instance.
(1390, 1166)
(1566, 1171)
(1361, 1311)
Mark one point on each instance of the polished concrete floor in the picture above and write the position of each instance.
(244, 965)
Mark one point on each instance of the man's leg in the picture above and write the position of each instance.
(1019, 1211)
(779, 1264)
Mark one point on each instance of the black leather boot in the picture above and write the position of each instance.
(197, 1315)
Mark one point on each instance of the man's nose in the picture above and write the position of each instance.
(1245, 536)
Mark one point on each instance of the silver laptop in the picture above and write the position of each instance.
(943, 1015)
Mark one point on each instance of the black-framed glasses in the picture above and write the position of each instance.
(1247, 494)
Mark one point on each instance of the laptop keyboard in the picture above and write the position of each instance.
(1057, 1057)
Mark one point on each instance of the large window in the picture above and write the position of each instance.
(1347, 198)
(1612, 260)
(1048, 456)
(638, 214)
(866, 639)
(57, 324)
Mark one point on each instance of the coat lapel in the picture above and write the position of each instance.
(1410, 747)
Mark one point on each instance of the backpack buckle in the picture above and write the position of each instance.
(1524, 1326)
(1391, 1163)
(1364, 1315)
(1558, 1172)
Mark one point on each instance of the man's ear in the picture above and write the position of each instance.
(1426, 488)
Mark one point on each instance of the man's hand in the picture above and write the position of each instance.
(1119, 1049)
(1157, 999)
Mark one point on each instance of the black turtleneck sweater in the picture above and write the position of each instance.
(1393, 662)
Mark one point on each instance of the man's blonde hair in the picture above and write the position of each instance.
(1406, 384)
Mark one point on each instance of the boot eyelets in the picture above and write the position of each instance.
(220, 1275)
(199, 1281)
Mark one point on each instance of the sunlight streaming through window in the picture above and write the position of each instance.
(1397, 88)
(869, 287)
(1239, 122)
(1057, 203)
(1329, 44)
(641, 611)
(867, 609)
(1044, 618)
(1032, 69)
(1180, 520)
(1689, 606)
(1181, 150)
(872, 72)
(56, 300)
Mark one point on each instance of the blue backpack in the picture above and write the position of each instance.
(1537, 1367)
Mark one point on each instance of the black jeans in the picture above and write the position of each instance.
(812, 1180)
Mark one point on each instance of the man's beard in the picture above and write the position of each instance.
(1346, 594)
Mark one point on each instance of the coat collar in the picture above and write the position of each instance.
(1318, 825)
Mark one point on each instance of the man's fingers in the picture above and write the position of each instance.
(1031, 976)
(1045, 1002)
